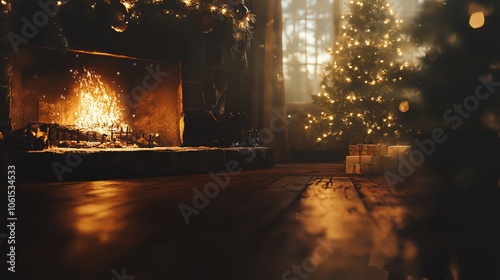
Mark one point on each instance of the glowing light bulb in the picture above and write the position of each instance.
(477, 20)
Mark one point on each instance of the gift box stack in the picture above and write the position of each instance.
(373, 159)
(365, 159)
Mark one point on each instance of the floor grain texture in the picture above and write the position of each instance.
(295, 221)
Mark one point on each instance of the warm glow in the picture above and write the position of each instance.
(356, 81)
(404, 106)
(98, 106)
(127, 5)
(100, 218)
(477, 20)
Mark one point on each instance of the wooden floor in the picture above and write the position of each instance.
(296, 221)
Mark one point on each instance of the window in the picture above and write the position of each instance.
(308, 31)
(307, 34)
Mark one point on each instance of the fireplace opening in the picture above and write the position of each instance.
(97, 106)
(94, 100)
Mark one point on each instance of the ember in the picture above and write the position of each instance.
(98, 105)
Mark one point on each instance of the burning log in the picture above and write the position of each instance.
(39, 136)
(34, 136)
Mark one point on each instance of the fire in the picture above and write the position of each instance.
(98, 106)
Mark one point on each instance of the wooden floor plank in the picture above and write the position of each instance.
(258, 227)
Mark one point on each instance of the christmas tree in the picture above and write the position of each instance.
(358, 97)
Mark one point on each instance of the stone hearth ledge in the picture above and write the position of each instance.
(67, 164)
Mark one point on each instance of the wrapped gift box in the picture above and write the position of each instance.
(363, 159)
(396, 151)
(368, 169)
(349, 169)
(351, 161)
(364, 168)
(368, 150)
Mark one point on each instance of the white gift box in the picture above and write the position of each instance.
(364, 169)
(396, 151)
(349, 169)
(363, 160)
(352, 161)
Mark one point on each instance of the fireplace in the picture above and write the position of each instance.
(85, 99)
(121, 89)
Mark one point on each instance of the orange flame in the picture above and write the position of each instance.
(98, 106)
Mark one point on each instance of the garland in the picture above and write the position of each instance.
(228, 17)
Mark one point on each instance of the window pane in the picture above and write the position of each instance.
(307, 33)
(308, 30)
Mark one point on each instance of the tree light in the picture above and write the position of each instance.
(404, 106)
(477, 20)
(357, 99)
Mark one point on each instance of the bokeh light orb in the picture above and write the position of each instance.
(477, 20)
(404, 106)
